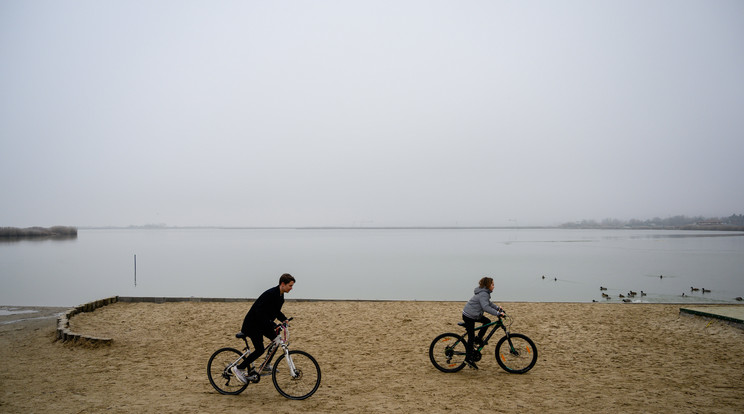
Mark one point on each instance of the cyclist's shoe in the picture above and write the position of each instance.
(239, 374)
(471, 364)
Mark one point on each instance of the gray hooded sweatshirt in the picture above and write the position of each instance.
(480, 302)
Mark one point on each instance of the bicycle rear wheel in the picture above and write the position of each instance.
(516, 357)
(218, 371)
(447, 352)
(304, 383)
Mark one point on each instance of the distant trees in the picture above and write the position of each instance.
(736, 219)
(733, 222)
(56, 231)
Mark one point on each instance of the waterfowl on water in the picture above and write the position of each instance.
(627, 300)
(739, 298)
(621, 296)
(694, 289)
(631, 293)
(602, 288)
(643, 293)
(706, 290)
(604, 295)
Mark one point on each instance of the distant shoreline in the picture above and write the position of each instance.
(723, 228)
(14, 233)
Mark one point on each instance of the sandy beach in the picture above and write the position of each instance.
(374, 358)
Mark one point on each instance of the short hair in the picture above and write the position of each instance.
(485, 282)
(286, 278)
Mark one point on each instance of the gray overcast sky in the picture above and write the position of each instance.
(311, 113)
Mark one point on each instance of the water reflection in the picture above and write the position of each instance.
(38, 239)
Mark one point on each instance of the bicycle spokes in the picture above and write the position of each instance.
(219, 373)
(516, 354)
(301, 379)
(447, 352)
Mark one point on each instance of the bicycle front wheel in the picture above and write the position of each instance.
(516, 355)
(218, 371)
(447, 352)
(306, 379)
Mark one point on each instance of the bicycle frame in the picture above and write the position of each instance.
(281, 340)
(496, 325)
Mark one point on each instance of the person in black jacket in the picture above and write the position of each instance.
(259, 322)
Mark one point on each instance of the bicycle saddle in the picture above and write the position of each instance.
(461, 324)
(240, 335)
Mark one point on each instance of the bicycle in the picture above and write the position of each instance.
(298, 381)
(515, 353)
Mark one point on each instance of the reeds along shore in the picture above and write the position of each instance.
(29, 232)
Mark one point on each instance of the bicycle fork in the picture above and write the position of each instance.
(292, 369)
(512, 350)
(272, 352)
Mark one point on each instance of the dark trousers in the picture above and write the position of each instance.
(470, 328)
(257, 334)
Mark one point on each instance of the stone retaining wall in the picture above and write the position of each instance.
(64, 333)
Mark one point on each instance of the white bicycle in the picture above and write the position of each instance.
(296, 374)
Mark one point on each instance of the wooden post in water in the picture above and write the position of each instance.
(135, 270)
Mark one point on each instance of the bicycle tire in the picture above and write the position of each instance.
(447, 352)
(519, 360)
(304, 384)
(220, 376)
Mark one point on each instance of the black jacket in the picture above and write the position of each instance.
(267, 307)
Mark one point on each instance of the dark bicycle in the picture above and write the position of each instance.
(515, 353)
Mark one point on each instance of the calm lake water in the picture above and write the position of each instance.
(397, 264)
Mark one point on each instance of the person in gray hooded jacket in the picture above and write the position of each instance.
(473, 312)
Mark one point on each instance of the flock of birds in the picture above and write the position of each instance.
(694, 289)
(625, 298)
(631, 294)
